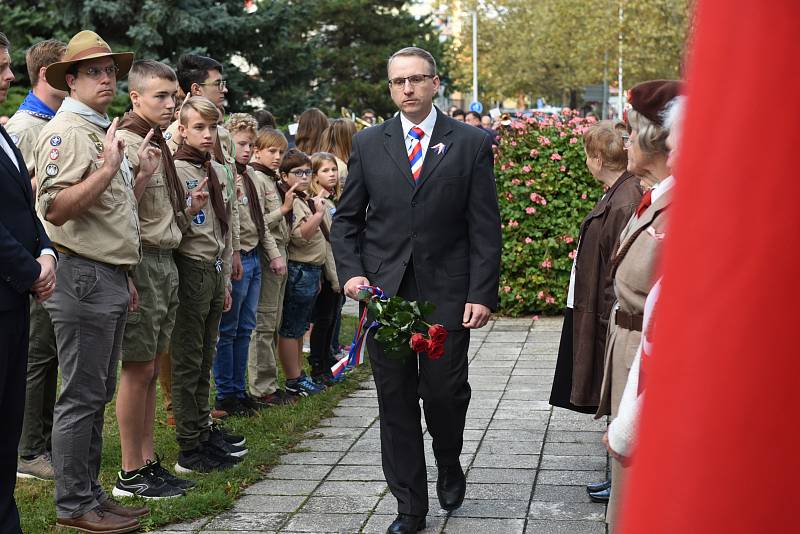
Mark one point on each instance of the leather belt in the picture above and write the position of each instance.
(67, 252)
(629, 321)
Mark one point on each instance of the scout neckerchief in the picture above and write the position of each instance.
(203, 159)
(137, 125)
(32, 105)
(253, 201)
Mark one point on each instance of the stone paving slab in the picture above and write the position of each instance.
(526, 462)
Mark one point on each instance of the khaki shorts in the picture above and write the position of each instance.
(149, 329)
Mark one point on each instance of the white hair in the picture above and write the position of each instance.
(673, 112)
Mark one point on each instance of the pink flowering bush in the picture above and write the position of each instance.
(544, 191)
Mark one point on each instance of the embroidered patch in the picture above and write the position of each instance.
(51, 169)
(14, 139)
(167, 135)
(244, 200)
(55, 140)
(98, 144)
(200, 218)
(54, 154)
(191, 184)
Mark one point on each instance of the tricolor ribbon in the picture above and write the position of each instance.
(358, 348)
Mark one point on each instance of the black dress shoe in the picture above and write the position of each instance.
(406, 524)
(600, 496)
(451, 486)
(599, 486)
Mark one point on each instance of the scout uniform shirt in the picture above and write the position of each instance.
(305, 250)
(24, 129)
(70, 148)
(271, 203)
(329, 269)
(248, 231)
(157, 222)
(172, 136)
(202, 236)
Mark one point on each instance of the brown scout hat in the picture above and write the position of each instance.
(85, 45)
(651, 98)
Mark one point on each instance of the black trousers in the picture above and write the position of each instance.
(14, 326)
(442, 385)
(326, 307)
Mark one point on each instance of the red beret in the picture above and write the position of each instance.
(651, 98)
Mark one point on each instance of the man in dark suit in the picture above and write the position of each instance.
(27, 265)
(419, 218)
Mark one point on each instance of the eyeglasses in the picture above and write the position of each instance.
(299, 173)
(626, 141)
(415, 80)
(221, 84)
(96, 72)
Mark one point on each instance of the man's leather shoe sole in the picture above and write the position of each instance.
(600, 486)
(600, 496)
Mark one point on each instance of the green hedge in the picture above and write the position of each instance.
(544, 192)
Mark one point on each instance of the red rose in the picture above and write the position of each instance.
(419, 343)
(436, 350)
(437, 333)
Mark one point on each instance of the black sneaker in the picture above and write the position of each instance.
(145, 484)
(232, 406)
(233, 439)
(160, 471)
(197, 461)
(215, 439)
(279, 398)
(251, 403)
(219, 453)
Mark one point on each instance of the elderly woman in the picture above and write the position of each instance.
(633, 267)
(579, 369)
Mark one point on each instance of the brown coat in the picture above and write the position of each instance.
(594, 289)
(633, 280)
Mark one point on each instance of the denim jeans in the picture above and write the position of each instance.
(230, 364)
(302, 287)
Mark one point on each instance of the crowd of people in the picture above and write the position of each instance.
(614, 285)
(188, 243)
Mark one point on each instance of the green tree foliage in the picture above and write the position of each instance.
(552, 47)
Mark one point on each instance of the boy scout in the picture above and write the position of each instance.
(204, 268)
(262, 358)
(40, 391)
(86, 199)
(230, 363)
(153, 86)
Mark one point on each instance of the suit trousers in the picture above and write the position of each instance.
(445, 392)
(13, 359)
(42, 378)
(89, 308)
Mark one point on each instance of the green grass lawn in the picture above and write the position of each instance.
(270, 433)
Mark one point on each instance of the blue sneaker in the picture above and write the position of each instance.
(303, 386)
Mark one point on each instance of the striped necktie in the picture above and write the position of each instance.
(415, 152)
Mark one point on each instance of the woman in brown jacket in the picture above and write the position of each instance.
(579, 369)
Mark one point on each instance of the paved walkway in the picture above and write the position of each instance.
(526, 462)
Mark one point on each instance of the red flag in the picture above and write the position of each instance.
(719, 451)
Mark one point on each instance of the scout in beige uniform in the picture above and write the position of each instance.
(263, 355)
(325, 184)
(40, 390)
(306, 257)
(202, 76)
(86, 198)
(204, 268)
(161, 198)
(230, 363)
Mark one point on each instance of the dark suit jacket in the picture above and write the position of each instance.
(22, 236)
(448, 222)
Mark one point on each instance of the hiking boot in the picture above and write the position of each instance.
(40, 468)
(197, 461)
(99, 521)
(145, 484)
(303, 387)
(160, 471)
